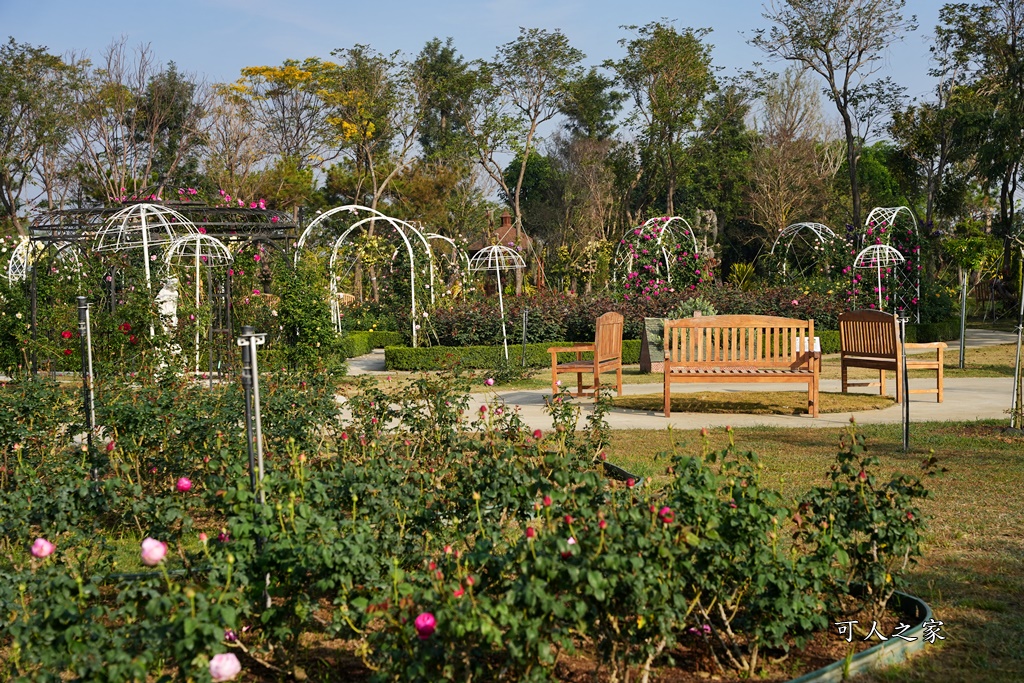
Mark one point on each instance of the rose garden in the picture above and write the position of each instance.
(310, 414)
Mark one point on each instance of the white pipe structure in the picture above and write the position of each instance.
(884, 217)
(822, 235)
(194, 250)
(132, 228)
(498, 258)
(879, 256)
(401, 227)
(623, 258)
(27, 253)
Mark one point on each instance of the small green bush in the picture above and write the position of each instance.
(485, 357)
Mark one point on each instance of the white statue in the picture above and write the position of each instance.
(167, 301)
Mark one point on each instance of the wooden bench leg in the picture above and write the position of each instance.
(845, 380)
(881, 383)
(668, 399)
(940, 374)
(618, 380)
(579, 383)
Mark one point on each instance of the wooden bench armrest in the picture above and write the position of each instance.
(927, 345)
(571, 349)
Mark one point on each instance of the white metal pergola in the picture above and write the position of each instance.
(409, 235)
(195, 251)
(142, 226)
(801, 234)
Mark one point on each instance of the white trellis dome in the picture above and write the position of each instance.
(498, 257)
(882, 259)
(799, 241)
(29, 251)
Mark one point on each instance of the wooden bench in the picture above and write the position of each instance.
(871, 339)
(607, 356)
(741, 348)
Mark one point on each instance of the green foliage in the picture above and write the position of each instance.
(691, 306)
(305, 315)
(510, 539)
(742, 275)
(360, 343)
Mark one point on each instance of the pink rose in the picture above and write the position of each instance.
(425, 625)
(489, 381)
(153, 552)
(184, 484)
(224, 667)
(42, 548)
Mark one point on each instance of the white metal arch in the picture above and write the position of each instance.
(400, 227)
(27, 253)
(885, 217)
(623, 258)
(822, 234)
(879, 225)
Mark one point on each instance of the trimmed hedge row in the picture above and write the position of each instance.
(486, 357)
(359, 343)
(925, 332)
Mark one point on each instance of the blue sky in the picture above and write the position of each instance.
(216, 38)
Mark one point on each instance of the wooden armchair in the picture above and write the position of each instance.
(871, 339)
(607, 356)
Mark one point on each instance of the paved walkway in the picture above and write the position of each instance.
(965, 399)
(973, 398)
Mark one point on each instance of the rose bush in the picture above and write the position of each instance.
(450, 541)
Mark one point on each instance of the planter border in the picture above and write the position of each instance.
(892, 651)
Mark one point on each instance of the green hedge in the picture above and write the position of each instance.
(932, 332)
(925, 332)
(360, 343)
(486, 357)
(537, 356)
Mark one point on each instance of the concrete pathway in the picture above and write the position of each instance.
(965, 399)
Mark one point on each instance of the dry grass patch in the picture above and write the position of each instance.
(972, 572)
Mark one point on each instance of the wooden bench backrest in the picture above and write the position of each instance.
(738, 340)
(867, 333)
(608, 337)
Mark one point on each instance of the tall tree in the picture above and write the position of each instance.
(286, 105)
(843, 41)
(36, 115)
(795, 158)
(533, 72)
(667, 73)
(374, 111)
(137, 123)
(591, 106)
(985, 41)
(448, 85)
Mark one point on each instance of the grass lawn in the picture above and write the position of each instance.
(754, 402)
(972, 572)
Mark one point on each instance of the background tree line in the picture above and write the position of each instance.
(577, 152)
